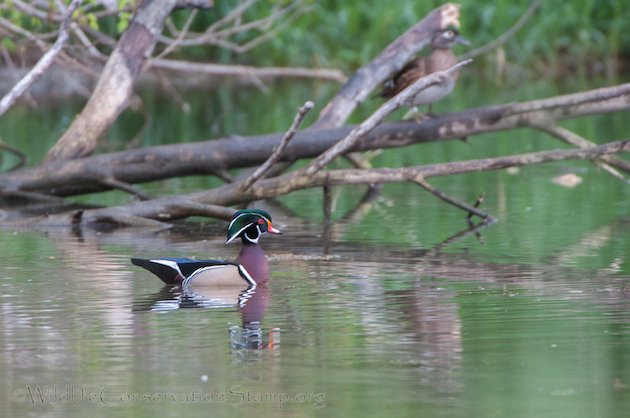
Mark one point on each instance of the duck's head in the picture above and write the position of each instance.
(250, 224)
(447, 38)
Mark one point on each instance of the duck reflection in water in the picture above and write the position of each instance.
(251, 302)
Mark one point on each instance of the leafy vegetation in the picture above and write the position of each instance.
(583, 37)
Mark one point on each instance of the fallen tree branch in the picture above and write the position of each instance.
(214, 157)
(19, 154)
(43, 64)
(125, 187)
(231, 194)
(115, 84)
(576, 140)
(244, 71)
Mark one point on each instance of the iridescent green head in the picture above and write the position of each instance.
(250, 224)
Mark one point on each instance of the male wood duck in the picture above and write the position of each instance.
(249, 269)
(440, 58)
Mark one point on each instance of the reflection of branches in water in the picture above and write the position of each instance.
(472, 229)
(16, 152)
(365, 204)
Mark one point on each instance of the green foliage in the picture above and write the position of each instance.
(583, 36)
(8, 44)
(561, 36)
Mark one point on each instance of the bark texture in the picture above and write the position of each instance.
(115, 84)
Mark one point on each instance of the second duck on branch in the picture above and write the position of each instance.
(440, 58)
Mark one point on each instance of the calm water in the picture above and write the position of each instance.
(358, 324)
(394, 308)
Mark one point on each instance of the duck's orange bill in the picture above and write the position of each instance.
(272, 230)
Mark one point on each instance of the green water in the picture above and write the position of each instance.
(392, 310)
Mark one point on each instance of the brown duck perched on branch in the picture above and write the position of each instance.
(440, 58)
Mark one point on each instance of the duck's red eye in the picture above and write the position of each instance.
(261, 221)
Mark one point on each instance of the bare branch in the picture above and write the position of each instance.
(42, 65)
(126, 187)
(233, 15)
(388, 62)
(577, 141)
(220, 33)
(170, 48)
(275, 156)
(195, 4)
(419, 180)
(218, 155)
(246, 72)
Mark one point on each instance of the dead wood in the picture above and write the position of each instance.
(173, 207)
(122, 170)
(216, 156)
(246, 72)
(114, 87)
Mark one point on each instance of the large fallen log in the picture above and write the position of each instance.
(107, 171)
(210, 203)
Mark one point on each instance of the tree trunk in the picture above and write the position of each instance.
(115, 85)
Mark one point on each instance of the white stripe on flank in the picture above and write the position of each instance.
(169, 263)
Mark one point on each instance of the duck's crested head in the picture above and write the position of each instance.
(447, 37)
(250, 224)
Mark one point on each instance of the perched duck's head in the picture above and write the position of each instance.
(446, 38)
(250, 224)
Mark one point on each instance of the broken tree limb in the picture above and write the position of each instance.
(114, 87)
(4, 147)
(65, 178)
(168, 208)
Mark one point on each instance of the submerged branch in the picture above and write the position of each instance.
(576, 140)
